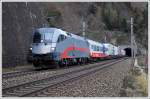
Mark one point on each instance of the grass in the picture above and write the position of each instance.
(143, 83)
(142, 62)
(135, 84)
(8, 70)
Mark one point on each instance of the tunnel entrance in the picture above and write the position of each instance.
(128, 51)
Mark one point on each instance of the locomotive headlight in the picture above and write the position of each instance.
(53, 48)
(30, 48)
(41, 41)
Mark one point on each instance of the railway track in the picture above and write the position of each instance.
(24, 72)
(16, 74)
(30, 88)
(25, 77)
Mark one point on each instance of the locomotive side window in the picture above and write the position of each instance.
(36, 37)
(61, 38)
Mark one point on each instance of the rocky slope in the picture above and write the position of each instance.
(19, 20)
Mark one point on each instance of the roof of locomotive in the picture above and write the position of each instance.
(51, 30)
(76, 36)
(43, 30)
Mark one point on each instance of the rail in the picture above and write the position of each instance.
(32, 87)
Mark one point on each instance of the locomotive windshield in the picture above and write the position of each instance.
(37, 37)
(48, 37)
(42, 37)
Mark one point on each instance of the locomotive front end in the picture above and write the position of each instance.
(43, 46)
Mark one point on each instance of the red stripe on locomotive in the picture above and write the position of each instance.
(71, 48)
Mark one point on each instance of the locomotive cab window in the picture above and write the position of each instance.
(36, 37)
(61, 38)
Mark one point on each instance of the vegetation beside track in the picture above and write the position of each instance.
(136, 83)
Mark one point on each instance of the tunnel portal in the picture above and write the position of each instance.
(128, 52)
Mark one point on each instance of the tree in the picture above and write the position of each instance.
(124, 25)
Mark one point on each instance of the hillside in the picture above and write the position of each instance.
(19, 21)
(103, 20)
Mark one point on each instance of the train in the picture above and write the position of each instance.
(55, 47)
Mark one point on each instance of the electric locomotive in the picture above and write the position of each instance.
(55, 46)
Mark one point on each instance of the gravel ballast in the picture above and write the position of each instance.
(104, 83)
(6, 83)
